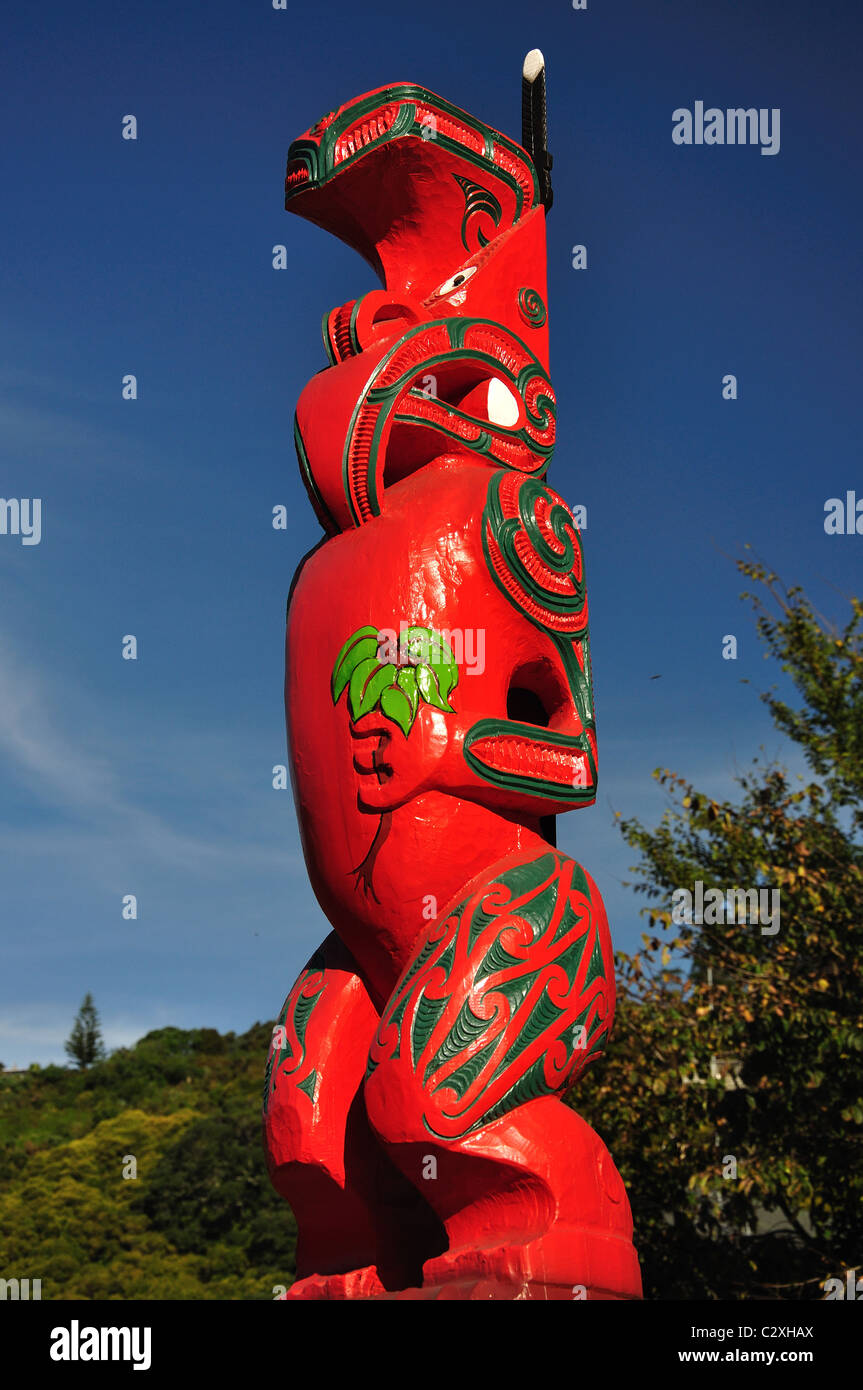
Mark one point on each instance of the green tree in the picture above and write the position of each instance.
(198, 1219)
(732, 1097)
(211, 1186)
(84, 1044)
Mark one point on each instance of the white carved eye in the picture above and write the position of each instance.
(454, 283)
(502, 404)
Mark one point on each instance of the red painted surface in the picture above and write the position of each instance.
(413, 1116)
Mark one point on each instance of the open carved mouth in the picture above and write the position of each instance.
(297, 176)
(536, 761)
(337, 139)
(376, 126)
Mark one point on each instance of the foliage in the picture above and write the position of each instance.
(199, 1219)
(84, 1044)
(732, 1043)
(211, 1186)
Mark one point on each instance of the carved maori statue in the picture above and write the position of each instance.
(440, 716)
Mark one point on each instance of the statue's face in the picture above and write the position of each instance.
(437, 642)
(451, 355)
(461, 371)
(410, 660)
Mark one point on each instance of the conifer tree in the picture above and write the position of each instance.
(84, 1044)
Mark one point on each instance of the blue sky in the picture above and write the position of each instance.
(154, 257)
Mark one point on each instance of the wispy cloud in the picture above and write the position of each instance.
(53, 424)
(78, 782)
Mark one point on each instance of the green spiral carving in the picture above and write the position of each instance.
(532, 308)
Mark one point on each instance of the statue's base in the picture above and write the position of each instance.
(496, 1289)
(465, 1290)
(607, 1264)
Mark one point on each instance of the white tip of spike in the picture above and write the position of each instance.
(533, 65)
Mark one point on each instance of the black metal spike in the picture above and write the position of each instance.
(534, 122)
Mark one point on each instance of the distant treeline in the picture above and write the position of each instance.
(181, 1111)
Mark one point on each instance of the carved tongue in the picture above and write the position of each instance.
(527, 757)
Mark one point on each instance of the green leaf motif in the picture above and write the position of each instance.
(429, 685)
(360, 677)
(368, 682)
(407, 683)
(397, 707)
(436, 668)
(431, 675)
(359, 647)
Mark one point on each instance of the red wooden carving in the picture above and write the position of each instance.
(440, 716)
